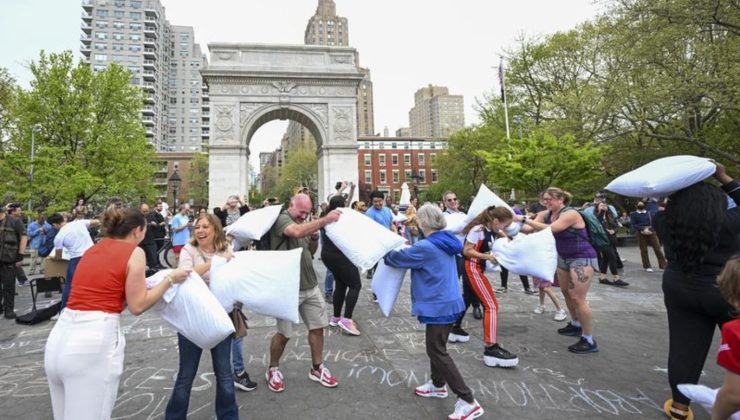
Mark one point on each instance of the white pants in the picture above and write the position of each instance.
(84, 362)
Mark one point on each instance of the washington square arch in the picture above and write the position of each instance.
(252, 84)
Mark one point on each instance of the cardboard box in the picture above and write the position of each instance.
(55, 268)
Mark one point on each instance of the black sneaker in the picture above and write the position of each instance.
(242, 381)
(477, 312)
(529, 292)
(375, 298)
(458, 335)
(583, 346)
(10, 315)
(570, 330)
(498, 356)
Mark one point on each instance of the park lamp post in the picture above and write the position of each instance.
(34, 130)
(415, 176)
(175, 182)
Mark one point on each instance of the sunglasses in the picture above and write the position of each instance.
(452, 199)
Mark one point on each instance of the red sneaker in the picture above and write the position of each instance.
(323, 376)
(275, 380)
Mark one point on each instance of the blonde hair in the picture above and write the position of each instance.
(729, 281)
(220, 243)
(487, 216)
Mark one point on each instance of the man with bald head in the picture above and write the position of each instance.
(291, 231)
(148, 244)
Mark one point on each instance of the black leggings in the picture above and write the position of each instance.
(695, 308)
(346, 277)
(505, 279)
(608, 257)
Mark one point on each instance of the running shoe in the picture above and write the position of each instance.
(649, 270)
(348, 326)
(620, 283)
(539, 310)
(242, 381)
(334, 321)
(498, 356)
(428, 390)
(560, 315)
(323, 376)
(502, 290)
(458, 335)
(583, 346)
(477, 312)
(466, 411)
(275, 380)
(529, 292)
(570, 330)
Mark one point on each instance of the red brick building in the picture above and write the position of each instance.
(385, 163)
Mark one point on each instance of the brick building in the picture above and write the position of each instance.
(385, 163)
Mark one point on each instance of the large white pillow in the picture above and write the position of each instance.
(361, 239)
(193, 310)
(703, 395)
(528, 255)
(254, 224)
(662, 177)
(386, 285)
(483, 200)
(266, 282)
(455, 222)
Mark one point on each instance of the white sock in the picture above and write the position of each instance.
(575, 323)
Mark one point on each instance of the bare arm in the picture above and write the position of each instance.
(470, 252)
(300, 230)
(138, 297)
(728, 397)
(566, 220)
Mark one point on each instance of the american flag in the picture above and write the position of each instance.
(501, 78)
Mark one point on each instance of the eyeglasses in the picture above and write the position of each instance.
(452, 199)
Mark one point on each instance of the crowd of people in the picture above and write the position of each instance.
(694, 226)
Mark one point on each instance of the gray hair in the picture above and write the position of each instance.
(431, 217)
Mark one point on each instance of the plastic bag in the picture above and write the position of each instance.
(254, 224)
(266, 282)
(361, 239)
(484, 199)
(386, 285)
(529, 255)
(193, 310)
(663, 177)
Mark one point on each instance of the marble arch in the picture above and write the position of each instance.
(252, 84)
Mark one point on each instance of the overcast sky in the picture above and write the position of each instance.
(407, 44)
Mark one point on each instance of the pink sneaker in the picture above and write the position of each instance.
(275, 380)
(334, 321)
(323, 376)
(348, 326)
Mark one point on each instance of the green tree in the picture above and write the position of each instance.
(92, 143)
(8, 93)
(542, 159)
(198, 179)
(301, 170)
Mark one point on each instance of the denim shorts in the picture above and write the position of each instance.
(568, 263)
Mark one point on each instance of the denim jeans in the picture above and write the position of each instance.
(237, 358)
(329, 282)
(68, 280)
(226, 408)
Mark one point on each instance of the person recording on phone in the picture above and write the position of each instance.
(231, 211)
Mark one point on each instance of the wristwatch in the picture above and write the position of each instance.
(524, 219)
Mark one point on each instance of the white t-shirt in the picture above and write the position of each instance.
(74, 238)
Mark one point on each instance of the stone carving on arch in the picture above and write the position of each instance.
(224, 122)
(247, 110)
(343, 116)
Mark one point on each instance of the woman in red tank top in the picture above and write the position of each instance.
(84, 352)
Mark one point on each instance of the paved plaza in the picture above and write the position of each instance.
(378, 371)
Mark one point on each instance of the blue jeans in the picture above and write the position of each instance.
(329, 282)
(226, 408)
(237, 358)
(68, 280)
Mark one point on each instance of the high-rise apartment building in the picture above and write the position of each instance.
(436, 113)
(136, 35)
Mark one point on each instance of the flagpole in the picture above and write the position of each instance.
(503, 94)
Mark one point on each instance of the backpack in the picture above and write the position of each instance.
(263, 244)
(48, 245)
(597, 236)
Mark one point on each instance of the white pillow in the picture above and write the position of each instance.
(483, 200)
(703, 395)
(662, 177)
(455, 222)
(254, 224)
(193, 310)
(386, 285)
(266, 282)
(361, 239)
(528, 255)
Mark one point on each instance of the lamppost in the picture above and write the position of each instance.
(518, 121)
(415, 176)
(175, 182)
(35, 129)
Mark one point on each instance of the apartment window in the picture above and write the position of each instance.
(422, 160)
(134, 48)
(407, 159)
(118, 25)
(407, 175)
(119, 14)
(434, 176)
(382, 176)
(135, 37)
(99, 67)
(101, 57)
(99, 46)
(194, 121)
(101, 35)
(394, 159)
(381, 160)
(173, 130)
(367, 159)
(101, 24)
(135, 15)
(118, 36)
(422, 176)
(135, 26)
(368, 177)
(396, 176)
(432, 157)
(119, 3)
(136, 4)
(393, 145)
(101, 13)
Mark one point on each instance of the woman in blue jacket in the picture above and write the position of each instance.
(436, 301)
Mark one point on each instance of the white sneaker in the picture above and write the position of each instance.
(560, 315)
(539, 310)
(649, 270)
(428, 390)
(55, 317)
(465, 411)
